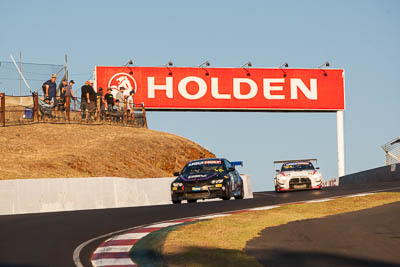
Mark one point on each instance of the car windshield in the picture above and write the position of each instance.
(297, 166)
(202, 167)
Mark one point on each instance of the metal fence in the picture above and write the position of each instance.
(12, 83)
(392, 151)
(17, 110)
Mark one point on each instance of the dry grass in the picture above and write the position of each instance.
(54, 150)
(221, 241)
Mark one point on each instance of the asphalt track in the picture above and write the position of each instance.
(369, 237)
(49, 239)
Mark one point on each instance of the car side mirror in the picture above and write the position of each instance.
(176, 173)
(231, 169)
(277, 170)
(317, 168)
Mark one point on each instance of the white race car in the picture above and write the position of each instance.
(297, 175)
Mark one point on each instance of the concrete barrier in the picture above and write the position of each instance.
(66, 194)
(381, 174)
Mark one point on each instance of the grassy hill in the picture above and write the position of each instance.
(52, 150)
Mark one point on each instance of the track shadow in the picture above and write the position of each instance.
(279, 257)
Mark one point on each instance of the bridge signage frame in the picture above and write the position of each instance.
(232, 89)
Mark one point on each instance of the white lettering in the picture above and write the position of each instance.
(214, 90)
(236, 88)
(183, 90)
(268, 88)
(309, 93)
(152, 87)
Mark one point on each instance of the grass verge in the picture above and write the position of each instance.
(221, 241)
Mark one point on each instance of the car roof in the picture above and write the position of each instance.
(221, 159)
(294, 160)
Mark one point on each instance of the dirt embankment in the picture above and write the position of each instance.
(49, 150)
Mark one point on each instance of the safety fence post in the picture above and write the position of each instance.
(144, 116)
(98, 109)
(2, 109)
(35, 106)
(125, 112)
(68, 107)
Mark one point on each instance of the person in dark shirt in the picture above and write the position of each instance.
(91, 98)
(61, 99)
(84, 90)
(109, 100)
(50, 88)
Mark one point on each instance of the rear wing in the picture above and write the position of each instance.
(237, 163)
(294, 160)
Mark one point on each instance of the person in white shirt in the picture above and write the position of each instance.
(131, 106)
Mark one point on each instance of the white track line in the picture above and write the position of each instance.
(113, 262)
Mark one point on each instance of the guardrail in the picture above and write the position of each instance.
(381, 174)
(67, 194)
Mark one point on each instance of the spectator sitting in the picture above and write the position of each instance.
(118, 111)
(46, 108)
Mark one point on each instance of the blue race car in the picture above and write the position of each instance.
(205, 179)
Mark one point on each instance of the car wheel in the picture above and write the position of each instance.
(277, 189)
(176, 201)
(228, 195)
(192, 200)
(241, 196)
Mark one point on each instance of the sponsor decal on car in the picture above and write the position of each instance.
(197, 176)
(201, 177)
(204, 162)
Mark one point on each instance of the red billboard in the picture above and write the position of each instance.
(230, 89)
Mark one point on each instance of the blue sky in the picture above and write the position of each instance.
(362, 37)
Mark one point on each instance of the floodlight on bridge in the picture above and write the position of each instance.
(206, 63)
(326, 64)
(130, 62)
(248, 64)
(167, 65)
(284, 65)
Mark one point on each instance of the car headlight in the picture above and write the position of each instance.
(177, 184)
(218, 181)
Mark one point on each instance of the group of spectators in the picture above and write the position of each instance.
(111, 103)
(50, 91)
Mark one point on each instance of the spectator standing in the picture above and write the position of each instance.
(120, 95)
(126, 93)
(63, 86)
(50, 88)
(109, 100)
(131, 106)
(69, 91)
(91, 98)
(84, 91)
(62, 93)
